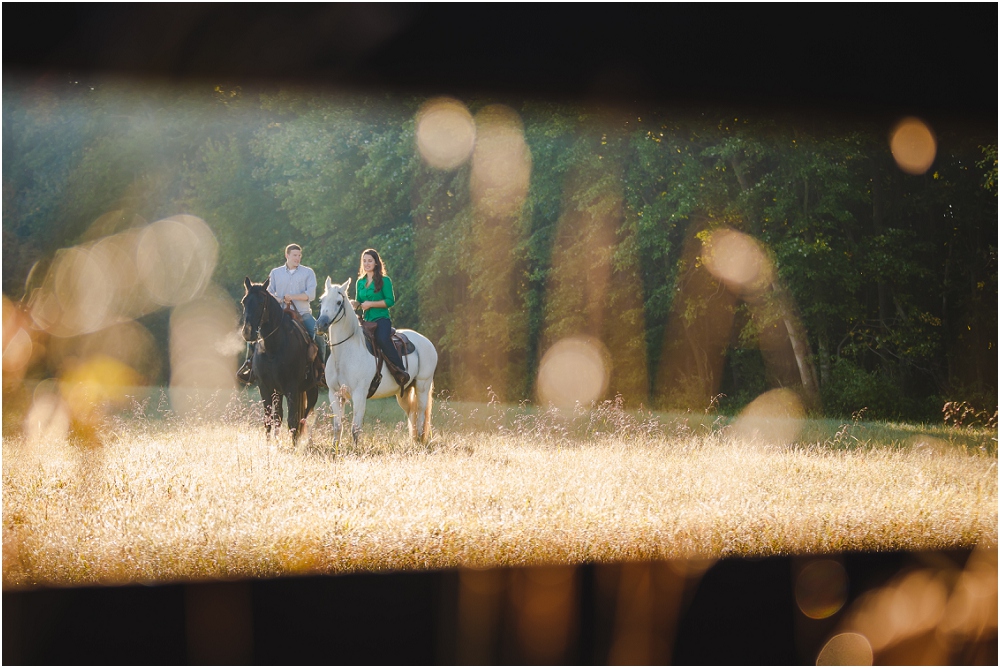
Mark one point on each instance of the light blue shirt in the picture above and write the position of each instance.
(284, 282)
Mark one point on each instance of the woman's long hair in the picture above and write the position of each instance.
(379, 268)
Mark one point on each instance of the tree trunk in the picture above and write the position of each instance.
(736, 163)
(800, 348)
(824, 360)
(700, 359)
(802, 358)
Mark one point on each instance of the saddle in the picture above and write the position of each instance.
(316, 364)
(403, 346)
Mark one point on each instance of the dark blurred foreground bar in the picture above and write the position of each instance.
(737, 611)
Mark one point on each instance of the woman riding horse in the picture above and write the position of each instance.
(352, 369)
(375, 296)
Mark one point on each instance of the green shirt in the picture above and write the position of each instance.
(367, 293)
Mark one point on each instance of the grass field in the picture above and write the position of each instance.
(159, 497)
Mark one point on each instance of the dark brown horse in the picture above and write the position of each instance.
(281, 359)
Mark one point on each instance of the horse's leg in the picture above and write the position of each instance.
(279, 413)
(294, 415)
(267, 396)
(337, 408)
(308, 417)
(422, 399)
(359, 398)
(267, 414)
(312, 396)
(301, 429)
(405, 401)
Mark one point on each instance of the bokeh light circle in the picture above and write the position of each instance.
(501, 162)
(175, 258)
(574, 370)
(198, 365)
(17, 343)
(116, 255)
(128, 342)
(48, 419)
(774, 418)
(972, 605)
(913, 146)
(124, 276)
(846, 649)
(95, 384)
(821, 589)
(81, 288)
(446, 133)
(738, 260)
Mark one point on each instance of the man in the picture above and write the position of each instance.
(292, 284)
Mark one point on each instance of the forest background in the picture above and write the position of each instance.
(886, 280)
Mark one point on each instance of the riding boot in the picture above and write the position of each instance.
(321, 356)
(319, 371)
(323, 345)
(398, 374)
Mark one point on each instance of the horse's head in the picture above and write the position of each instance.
(333, 304)
(254, 308)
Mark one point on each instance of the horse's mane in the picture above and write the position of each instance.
(285, 318)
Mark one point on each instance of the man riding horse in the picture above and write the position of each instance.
(294, 285)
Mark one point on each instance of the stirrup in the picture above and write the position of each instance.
(245, 375)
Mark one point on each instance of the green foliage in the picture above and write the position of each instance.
(989, 166)
(893, 276)
(746, 379)
(852, 388)
(246, 219)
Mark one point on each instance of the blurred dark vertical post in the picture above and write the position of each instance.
(218, 623)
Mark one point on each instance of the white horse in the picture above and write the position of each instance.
(351, 367)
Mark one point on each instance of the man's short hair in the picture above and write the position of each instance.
(291, 247)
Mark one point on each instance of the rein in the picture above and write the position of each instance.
(263, 320)
(341, 313)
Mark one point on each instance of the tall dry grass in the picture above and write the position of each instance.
(169, 499)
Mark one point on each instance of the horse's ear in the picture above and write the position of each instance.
(246, 284)
(346, 284)
(328, 284)
(266, 283)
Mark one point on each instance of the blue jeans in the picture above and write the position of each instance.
(310, 322)
(383, 337)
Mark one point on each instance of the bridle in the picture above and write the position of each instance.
(337, 317)
(263, 321)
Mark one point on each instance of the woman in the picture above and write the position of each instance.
(374, 294)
